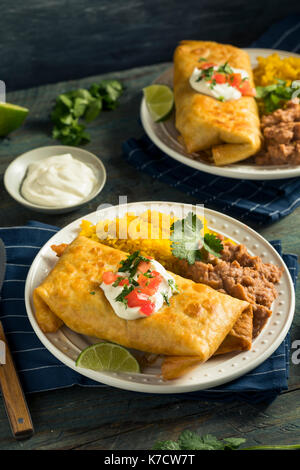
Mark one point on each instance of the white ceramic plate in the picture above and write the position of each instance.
(165, 136)
(65, 345)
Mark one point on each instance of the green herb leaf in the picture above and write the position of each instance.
(93, 109)
(81, 103)
(121, 297)
(274, 96)
(166, 298)
(166, 445)
(187, 241)
(213, 244)
(233, 443)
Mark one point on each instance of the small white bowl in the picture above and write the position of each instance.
(16, 171)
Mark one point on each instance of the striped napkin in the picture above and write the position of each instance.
(39, 370)
(260, 202)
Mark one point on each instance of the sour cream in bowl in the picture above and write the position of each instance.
(55, 179)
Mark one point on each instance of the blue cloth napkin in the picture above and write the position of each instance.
(39, 370)
(260, 202)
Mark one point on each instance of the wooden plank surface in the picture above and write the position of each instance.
(85, 418)
(46, 42)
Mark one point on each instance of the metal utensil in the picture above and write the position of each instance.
(14, 399)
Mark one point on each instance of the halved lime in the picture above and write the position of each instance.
(160, 101)
(11, 117)
(108, 357)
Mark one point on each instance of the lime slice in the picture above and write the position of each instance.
(160, 101)
(108, 357)
(11, 117)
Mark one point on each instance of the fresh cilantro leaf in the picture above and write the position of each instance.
(173, 285)
(202, 59)
(84, 104)
(233, 443)
(274, 96)
(166, 445)
(189, 440)
(187, 241)
(121, 297)
(93, 293)
(117, 281)
(93, 109)
(166, 298)
(225, 69)
(126, 263)
(213, 244)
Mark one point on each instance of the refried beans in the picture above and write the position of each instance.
(240, 275)
(281, 136)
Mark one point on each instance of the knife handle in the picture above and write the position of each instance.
(14, 399)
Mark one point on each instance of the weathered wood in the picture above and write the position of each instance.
(15, 402)
(46, 42)
(106, 418)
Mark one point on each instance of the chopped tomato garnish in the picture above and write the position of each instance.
(246, 89)
(109, 277)
(147, 290)
(136, 298)
(123, 282)
(235, 79)
(144, 266)
(147, 308)
(219, 77)
(139, 299)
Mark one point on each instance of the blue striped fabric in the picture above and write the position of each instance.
(260, 202)
(39, 370)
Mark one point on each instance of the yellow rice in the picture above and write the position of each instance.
(148, 233)
(273, 67)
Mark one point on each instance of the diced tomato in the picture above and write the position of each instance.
(235, 79)
(147, 308)
(143, 266)
(246, 89)
(206, 65)
(123, 282)
(219, 77)
(136, 298)
(139, 299)
(109, 277)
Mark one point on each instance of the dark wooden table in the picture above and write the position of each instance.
(84, 418)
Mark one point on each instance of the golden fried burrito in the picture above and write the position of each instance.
(192, 321)
(215, 108)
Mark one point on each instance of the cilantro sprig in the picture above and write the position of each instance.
(274, 96)
(132, 262)
(188, 243)
(122, 296)
(82, 104)
(189, 440)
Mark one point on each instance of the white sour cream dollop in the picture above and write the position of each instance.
(166, 289)
(58, 181)
(222, 91)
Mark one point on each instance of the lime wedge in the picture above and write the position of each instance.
(160, 101)
(11, 117)
(108, 357)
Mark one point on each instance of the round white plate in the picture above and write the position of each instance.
(165, 136)
(65, 344)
